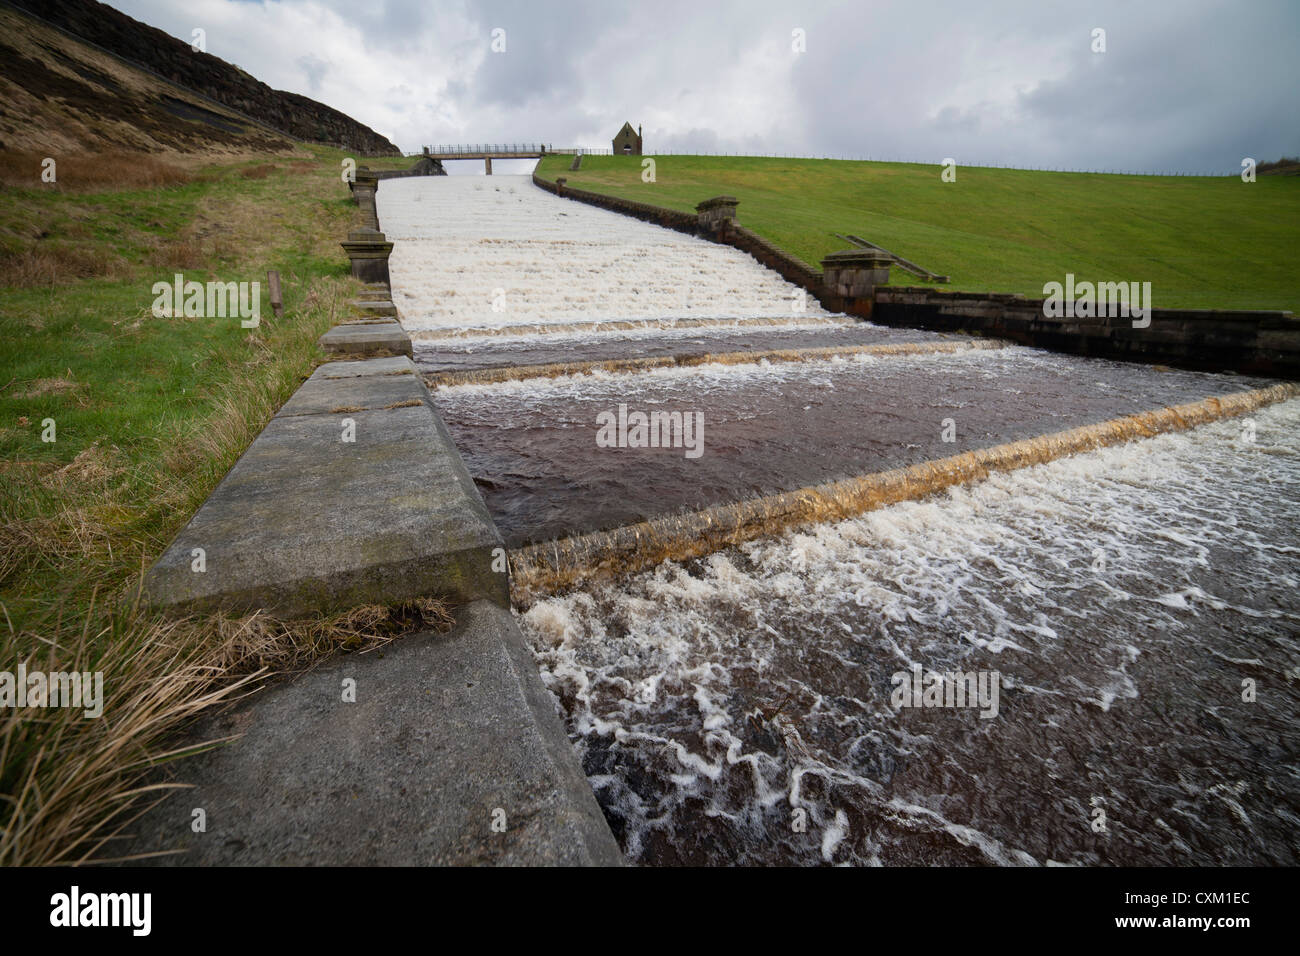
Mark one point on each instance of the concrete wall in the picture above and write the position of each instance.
(1265, 343)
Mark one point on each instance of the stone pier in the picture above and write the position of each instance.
(849, 279)
(717, 214)
(368, 251)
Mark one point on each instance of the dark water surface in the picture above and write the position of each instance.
(531, 445)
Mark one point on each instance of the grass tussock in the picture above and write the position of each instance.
(158, 674)
(47, 263)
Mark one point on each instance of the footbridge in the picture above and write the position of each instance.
(490, 151)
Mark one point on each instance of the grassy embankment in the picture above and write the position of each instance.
(149, 415)
(1200, 242)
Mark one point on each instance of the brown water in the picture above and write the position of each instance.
(531, 445)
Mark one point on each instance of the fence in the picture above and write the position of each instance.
(598, 151)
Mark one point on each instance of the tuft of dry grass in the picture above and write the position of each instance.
(260, 171)
(178, 253)
(159, 673)
(48, 263)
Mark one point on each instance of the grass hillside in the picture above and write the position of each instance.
(149, 414)
(1200, 242)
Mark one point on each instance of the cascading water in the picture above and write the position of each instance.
(1128, 613)
(498, 252)
(1124, 597)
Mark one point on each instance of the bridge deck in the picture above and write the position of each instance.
(481, 154)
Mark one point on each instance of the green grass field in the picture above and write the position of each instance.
(150, 413)
(1200, 242)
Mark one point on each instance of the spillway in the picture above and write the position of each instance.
(1126, 606)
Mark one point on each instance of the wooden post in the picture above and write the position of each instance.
(277, 298)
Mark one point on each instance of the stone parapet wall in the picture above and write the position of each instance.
(1266, 343)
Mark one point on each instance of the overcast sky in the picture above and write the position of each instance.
(1186, 85)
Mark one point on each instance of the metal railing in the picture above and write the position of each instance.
(508, 149)
(484, 149)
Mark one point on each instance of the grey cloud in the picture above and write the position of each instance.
(1184, 84)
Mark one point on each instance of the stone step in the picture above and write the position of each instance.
(367, 336)
(353, 494)
(450, 754)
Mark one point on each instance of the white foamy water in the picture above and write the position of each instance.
(653, 331)
(738, 709)
(465, 243)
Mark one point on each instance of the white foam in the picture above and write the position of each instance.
(459, 242)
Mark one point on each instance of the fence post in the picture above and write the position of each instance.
(277, 298)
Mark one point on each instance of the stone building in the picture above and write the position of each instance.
(628, 141)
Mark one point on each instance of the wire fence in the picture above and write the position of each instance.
(605, 151)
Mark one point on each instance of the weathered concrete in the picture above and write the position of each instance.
(445, 731)
(368, 253)
(853, 275)
(308, 520)
(364, 337)
(375, 307)
(717, 213)
(322, 394)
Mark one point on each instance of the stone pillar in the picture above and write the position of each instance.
(363, 180)
(854, 274)
(364, 187)
(714, 215)
(368, 251)
(487, 164)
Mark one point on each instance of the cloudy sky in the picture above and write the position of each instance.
(1189, 85)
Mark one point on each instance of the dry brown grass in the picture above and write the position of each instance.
(180, 253)
(48, 263)
(158, 674)
(83, 172)
(260, 171)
